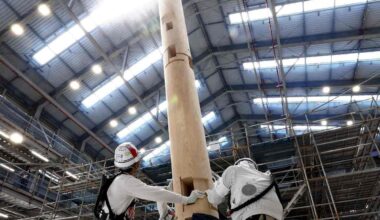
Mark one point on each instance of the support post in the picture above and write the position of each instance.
(189, 156)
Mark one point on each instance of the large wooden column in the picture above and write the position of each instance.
(190, 162)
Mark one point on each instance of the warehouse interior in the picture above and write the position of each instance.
(292, 84)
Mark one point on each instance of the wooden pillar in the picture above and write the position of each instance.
(189, 156)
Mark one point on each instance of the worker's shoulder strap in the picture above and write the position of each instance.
(254, 199)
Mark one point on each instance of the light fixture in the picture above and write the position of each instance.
(158, 140)
(17, 29)
(3, 215)
(7, 168)
(324, 122)
(44, 9)
(132, 110)
(356, 89)
(40, 156)
(74, 85)
(97, 69)
(326, 89)
(68, 173)
(16, 138)
(142, 150)
(113, 123)
(349, 123)
(50, 175)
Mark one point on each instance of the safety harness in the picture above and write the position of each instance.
(103, 199)
(255, 199)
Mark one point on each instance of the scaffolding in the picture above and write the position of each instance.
(324, 172)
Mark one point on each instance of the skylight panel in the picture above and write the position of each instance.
(315, 5)
(141, 120)
(316, 99)
(342, 58)
(143, 64)
(366, 56)
(63, 41)
(292, 9)
(103, 91)
(318, 60)
(157, 151)
(315, 60)
(289, 9)
(259, 14)
(117, 82)
(209, 117)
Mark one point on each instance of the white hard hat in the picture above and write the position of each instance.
(251, 163)
(126, 154)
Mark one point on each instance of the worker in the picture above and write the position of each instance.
(125, 188)
(253, 194)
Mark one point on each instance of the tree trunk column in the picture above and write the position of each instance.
(189, 156)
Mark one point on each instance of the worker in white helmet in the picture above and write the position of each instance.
(253, 194)
(126, 187)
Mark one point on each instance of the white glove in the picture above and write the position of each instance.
(194, 196)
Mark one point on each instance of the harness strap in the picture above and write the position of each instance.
(254, 199)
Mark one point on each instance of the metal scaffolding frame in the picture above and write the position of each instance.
(326, 174)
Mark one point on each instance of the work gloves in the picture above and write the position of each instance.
(194, 196)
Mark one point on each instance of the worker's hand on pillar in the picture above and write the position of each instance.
(194, 196)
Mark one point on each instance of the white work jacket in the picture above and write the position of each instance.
(246, 183)
(125, 188)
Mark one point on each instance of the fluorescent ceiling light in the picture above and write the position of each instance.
(16, 138)
(317, 99)
(326, 89)
(7, 168)
(97, 69)
(324, 122)
(103, 91)
(39, 156)
(350, 123)
(132, 110)
(44, 9)
(3, 215)
(74, 85)
(68, 173)
(209, 117)
(356, 88)
(49, 175)
(17, 29)
(158, 140)
(315, 60)
(117, 82)
(113, 123)
(292, 9)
